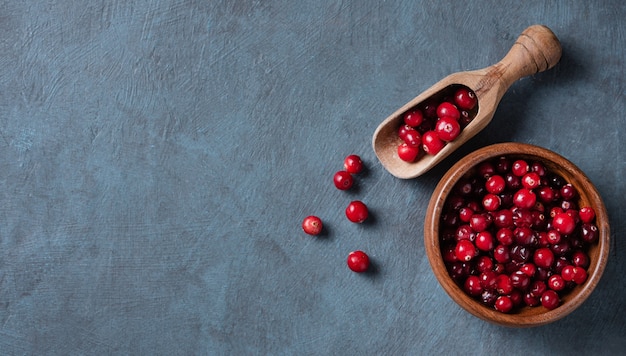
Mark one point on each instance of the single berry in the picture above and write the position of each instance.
(465, 99)
(491, 202)
(312, 225)
(413, 117)
(431, 143)
(472, 286)
(495, 184)
(587, 214)
(556, 282)
(564, 223)
(357, 211)
(543, 257)
(353, 164)
(408, 153)
(358, 261)
(520, 167)
(465, 250)
(531, 180)
(412, 138)
(524, 198)
(484, 241)
(447, 109)
(550, 299)
(447, 128)
(503, 304)
(343, 180)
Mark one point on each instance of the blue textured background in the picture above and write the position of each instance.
(158, 157)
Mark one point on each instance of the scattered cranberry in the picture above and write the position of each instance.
(357, 211)
(312, 225)
(353, 164)
(408, 153)
(343, 180)
(514, 235)
(358, 261)
(448, 128)
(447, 109)
(413, 118)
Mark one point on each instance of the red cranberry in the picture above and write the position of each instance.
(343, 180)
(472, 286)
(529, 269)
(495, 184)
(505, 236)
(587, 214)
(520, 167)
(503, 304)
(480, 222)
(353, 164)
(402, 131)
(488, 280)
(465, 99)
(447, 128)
(537, 288)
(564, 223)
(486, 169)
(312, 225)
(465, 214)
(531, 180)
(358, 261)
(465, 250)
(580, 275)
(502, 254)
(503, 284)
(550, 299)
(431, 143)
(556, 282)
(546, 194)
(465, 232)
(503, 218)
(543, 257)
(589, 232)
(484, 263)
(568, 192)
(447, 109)
(357, 211)
(520, 280)
(524, 198)
(407, 153)
(412, 138)
(580, 259)
(531, 300)
(413, 117)
(484, 241)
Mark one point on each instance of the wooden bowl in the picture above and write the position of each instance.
(598, 252)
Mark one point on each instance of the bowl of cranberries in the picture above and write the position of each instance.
(517, 235)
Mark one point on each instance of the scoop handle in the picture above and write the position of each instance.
(536, 49)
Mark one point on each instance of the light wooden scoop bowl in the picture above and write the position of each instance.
(537, 49)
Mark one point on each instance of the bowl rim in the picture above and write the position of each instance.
(431, 237)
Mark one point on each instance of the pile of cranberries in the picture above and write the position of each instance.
(356, 211)
(429, 126)
(514, 235)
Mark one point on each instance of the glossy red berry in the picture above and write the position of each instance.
(358, 261)
(491, 202)
(503, 304)
(485, 241)
(465, 250)
(531, 180)
(580, 275)
(431, 143)
(586, 214)
(524, 198)
(413, 117)
(357, 211)
(343, 180)
(447, 109)
(353, 164)
(543, 257)
(312, 225)
(564, 223)
(556, 282)
(520, 167)
(550, 299)
(412, 138)
(465, 99)
(447, 128)
(407, 153)
(495, 184)
(472, 286)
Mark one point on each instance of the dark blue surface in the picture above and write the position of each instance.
(158, 158)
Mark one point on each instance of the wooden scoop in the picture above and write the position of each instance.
(537, 49)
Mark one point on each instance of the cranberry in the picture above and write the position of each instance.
(412, 138)
(587, 214)
(531, 180)
(503, 284)
(495, 184)
(357, 211)
(520, 280)
(531, 300)
(505, 236)
(520, 168)
(447, 109)
(343, 180)
(480, 222)
(528, 269)
(580, 259)
(407, 153)
(556, 282)
(546, 194)
(413, 117)
(524, 198)
(543, 257)
(563, 223)
(491, 202)
(431, 143)
(489, 297)
(447, 128)
(465, 250)
(503, 304)
(501, 254)
(484, 241)
(537, 288)
(465, 99)
(486, 169)
(465, 214)
(312, 225)
(353, 164)
(503, 218)
(488, 280)
(403, 130)
(358, 261)
(484, 263)
(568, 192)
(580, 275)
(550, 299)
(589, 232)
(472, 286)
